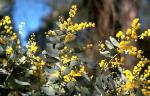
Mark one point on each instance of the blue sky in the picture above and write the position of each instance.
(30, 12)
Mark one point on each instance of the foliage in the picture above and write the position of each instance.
(59, 68)
(127, 82)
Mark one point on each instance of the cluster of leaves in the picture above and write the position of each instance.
(59, 70)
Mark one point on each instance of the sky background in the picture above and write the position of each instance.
(27, 15)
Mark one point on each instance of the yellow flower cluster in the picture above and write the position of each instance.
(129, 85)
(117, 61)
(70, 27)
(51, 33)
(37, 64)
(136, 78)
(102, 64)
(126, 38)
(32, 46)
(65, 58)
(73, 11)
(14, 36)
(78, 27)
(145, 91)
(69, 37)
(71, 76)
(6, 24)
(146, 82)
(9, 50)
(36, 61)
(88, 46)
(125, 46)
(7, 29)
(138, 67)
(65, 55)
(101, 46)
(74, 58)
(146, 73)
(133, 51)
(139, 54)
(131, 32)
(145, 34)
(63, 68)
(63, 24)
(128, 74)
(65, 50)
(135, 24)
(120, 35)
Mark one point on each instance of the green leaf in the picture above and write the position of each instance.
(98, 91)
(48, 90)
(59, 45)
(78, 50)
(51, 51)
(71, 86)
(21, 82)
(52, 74)
(113, 52)
(53, 39)
(73, 63)
(22, 59)
(114, 41)
(66, 72)
(1, 50)
(105, 53)
(109, 44)
(86, 77)
(4, 71)
(50, 59)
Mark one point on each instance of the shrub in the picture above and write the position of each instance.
(60, 70)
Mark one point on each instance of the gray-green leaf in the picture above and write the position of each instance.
(109, 44)
(114, 41)
(105, 53)
(21, 82)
